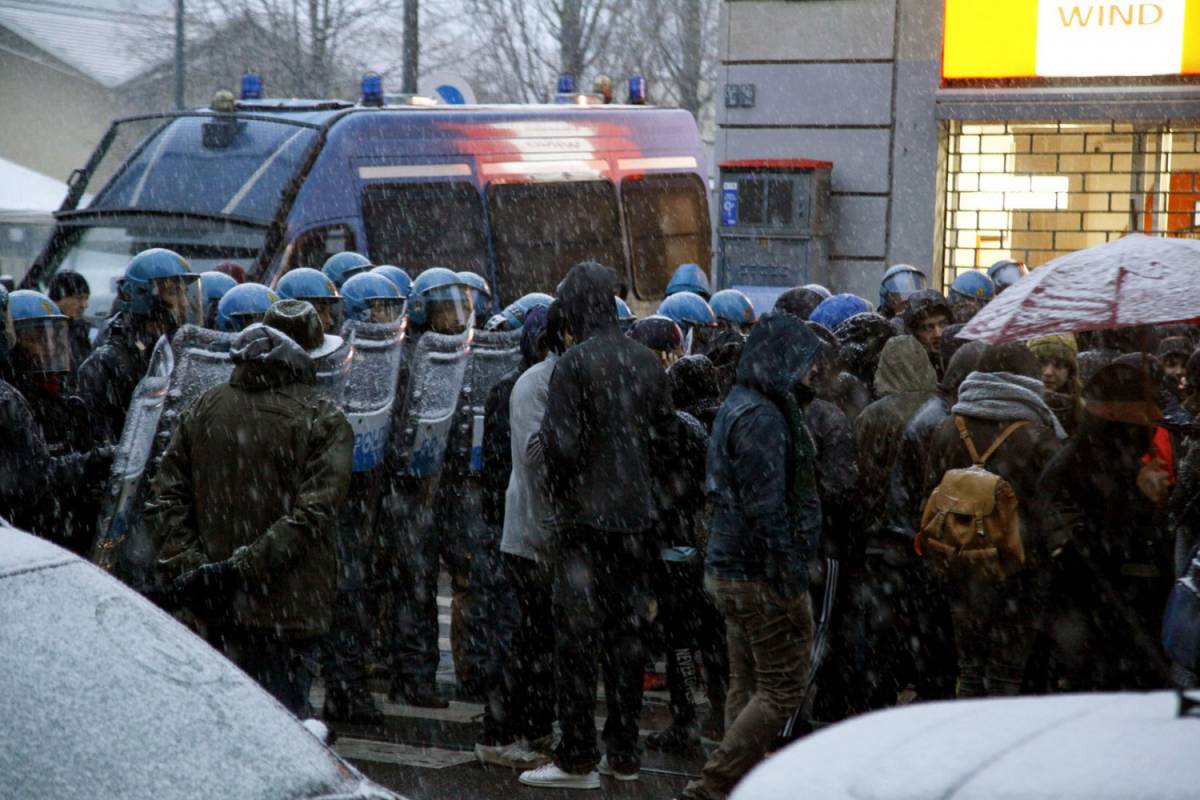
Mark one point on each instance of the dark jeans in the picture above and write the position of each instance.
(282, 666)
(994, 629)
(695, 637)
(520, 698)
(600, 607)
(344, 650)
(770, 637)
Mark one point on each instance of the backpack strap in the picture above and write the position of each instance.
(977, 459)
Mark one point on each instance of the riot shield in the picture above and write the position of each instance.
(333, 373)
(494, 354)
(194, 361)
(370, 387)
(437, 370)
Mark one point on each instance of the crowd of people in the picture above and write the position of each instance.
(812, 512)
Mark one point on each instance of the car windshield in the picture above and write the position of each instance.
(106, 696)
(100, 252)
(200, 164)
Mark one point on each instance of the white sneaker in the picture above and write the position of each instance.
(609, 772)
(551, 777)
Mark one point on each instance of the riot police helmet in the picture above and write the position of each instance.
(898, 283)
(370, 297)
(340, 267)
(397, 276)
(733, 307)
(689, 278)
(41, 342)
(440, 302)
(1005, 272)
(159, 286)
(316, 288)
(243, 305)
(213, 286)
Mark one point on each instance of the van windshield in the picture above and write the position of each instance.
(541, 230)
(667, 217)
(204, 164)
(418, 225)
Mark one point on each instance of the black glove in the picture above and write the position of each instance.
(207, 588)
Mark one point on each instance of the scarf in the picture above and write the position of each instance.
(1005, 397)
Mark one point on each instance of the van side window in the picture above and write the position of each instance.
(313, 246)
(541, 230)
(419, 225)
(667, 217)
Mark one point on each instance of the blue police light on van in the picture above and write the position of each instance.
(372, 89)
(637, 90)
(252, 86)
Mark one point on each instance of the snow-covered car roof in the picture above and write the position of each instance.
(104, 695)
(1063, 746)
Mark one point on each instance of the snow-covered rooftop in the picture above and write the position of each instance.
(23, 189)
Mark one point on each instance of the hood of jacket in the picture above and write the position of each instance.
(904, 367)
(586, 295)
(264, 358)
(778, 355)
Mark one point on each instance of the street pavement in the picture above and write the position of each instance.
(429, 753)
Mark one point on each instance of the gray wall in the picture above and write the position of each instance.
(852, 82)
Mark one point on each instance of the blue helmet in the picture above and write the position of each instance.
(733, 307)
(513, 316)
(838, 309)
(481, 294)
(689, 278)
(1005, 272)
(213, 286)
(973, 285)
(340, 266)
(306, 283)
(437, 288)
(370, 297)
(687, 309)
(898, 283)
(158, 283)
(41, 342)
(397, 276)
(243, 305)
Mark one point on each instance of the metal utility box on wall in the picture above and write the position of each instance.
(774, 226)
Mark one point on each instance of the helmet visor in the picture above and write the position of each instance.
(180, 298)
(329, 311)
(1009, 274)
(43, 344)
(903, 284)
(385, 310)
(449, 315)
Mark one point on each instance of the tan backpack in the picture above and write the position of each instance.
(970, 520)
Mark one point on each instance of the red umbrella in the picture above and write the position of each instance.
(1136, 280)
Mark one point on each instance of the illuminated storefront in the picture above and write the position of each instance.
(1066, 124)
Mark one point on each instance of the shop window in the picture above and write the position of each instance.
(541, 230)
(1033, 191)
(667, 217)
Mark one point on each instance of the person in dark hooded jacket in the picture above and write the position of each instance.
(609, 416)
(905, 381)
(245, 503)
(995, 621)
(800, 301)
(860, 342)
(927, 317)
(1114, 561)
(765, 527)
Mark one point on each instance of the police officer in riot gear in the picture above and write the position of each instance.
(316, 288)
(40, 365)
(397, 276)
(969, 292)
(695, 318)
(689, 278)
(213, 286)
(159, 293)
(440, 302)
(481, 296)
(244, 305)
(340, 267)
(370, 297)
(513, 316)
(898, 283)
(1005, 272)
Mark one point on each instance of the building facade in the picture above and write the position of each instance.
(966, 131)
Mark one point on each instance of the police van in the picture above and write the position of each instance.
(516, 193)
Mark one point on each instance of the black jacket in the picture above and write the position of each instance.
(766, 522)
(608, 417)
(110, 374)
(497, 449)
(837, 477)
